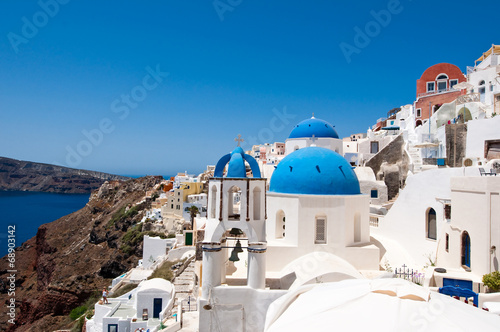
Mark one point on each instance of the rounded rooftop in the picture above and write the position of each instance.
(314, 171)
(317, 127)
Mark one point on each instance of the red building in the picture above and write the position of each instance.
(435, 87)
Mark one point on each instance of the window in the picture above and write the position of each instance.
(430, 86)
(431, 224)
(447, 243)
(442, 77)
(280, 224)
(465, 249)
(373, 147)
(320, 230)
(442, 85)
(447, 211)
(419, 112)
(374, 193)
(453, 83)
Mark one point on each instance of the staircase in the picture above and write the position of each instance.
(416, 159)
(184, 286)
(389, 203)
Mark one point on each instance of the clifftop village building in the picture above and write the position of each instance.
(317, 231)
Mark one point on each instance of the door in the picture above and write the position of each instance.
(188, 241)
(113, 328)
(157, 308)
(374, 147)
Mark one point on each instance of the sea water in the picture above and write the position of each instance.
(28, 210)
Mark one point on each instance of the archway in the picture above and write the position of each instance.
(234, 203)
(418, 123)
(213, 202)
(256, 203)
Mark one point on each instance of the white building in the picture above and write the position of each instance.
(143, 307)
(315, 204)
(485, 79)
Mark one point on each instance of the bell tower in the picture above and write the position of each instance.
(236, 215)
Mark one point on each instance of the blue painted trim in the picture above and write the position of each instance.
(219, 169)
(460, 292)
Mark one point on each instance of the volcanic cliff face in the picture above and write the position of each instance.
(75, 256)
(29, 176)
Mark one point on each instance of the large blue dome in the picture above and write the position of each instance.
(314, 171)
(313, 126)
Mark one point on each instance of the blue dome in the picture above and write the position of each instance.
(236, 167)
(313, 126)
(314, 171)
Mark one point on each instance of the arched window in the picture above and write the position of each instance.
(442, 82)
(431, 224)
(320, 233)
(465, 249)
(280, 224)
(213, 202)
(256, 203)
(357, 228)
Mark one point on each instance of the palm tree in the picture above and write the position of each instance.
(193, 211)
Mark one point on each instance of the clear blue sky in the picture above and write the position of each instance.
(230, 63)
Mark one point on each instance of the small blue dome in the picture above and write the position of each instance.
(313, 126)
(314, 171)
(236, 167)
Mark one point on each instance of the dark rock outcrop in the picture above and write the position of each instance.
(18, 175)
(74, 257)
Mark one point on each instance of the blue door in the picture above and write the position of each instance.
(157, 308)
(465, 284)
(466, 249)
(113, 328)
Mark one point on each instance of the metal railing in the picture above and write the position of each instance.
(373, 221)
(423, 94)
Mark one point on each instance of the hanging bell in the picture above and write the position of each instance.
(237, 248)
(234, 256)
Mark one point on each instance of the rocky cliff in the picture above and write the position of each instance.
(76, 256)
(29, 176)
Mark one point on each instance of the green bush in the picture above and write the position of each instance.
(492, 280)
(164, 271)
(77, 312)
(124, 290)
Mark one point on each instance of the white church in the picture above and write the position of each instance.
(309, 234)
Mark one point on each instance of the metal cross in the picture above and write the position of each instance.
(239, 139)
(313, 138)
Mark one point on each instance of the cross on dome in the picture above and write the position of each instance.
(239, 139)
(312, 117)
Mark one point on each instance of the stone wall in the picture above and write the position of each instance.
(391, 165)
(456, 138)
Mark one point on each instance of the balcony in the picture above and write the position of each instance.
(435, 92)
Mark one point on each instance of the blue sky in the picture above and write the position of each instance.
(253, 68)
